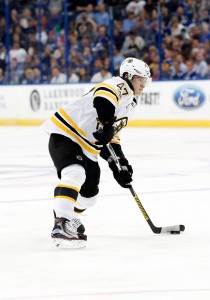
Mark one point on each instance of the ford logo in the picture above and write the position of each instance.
(189, 97)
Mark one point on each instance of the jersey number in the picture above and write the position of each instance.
(122, 88)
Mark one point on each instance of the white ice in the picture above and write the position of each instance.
(123, 258)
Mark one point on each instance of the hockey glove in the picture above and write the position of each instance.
(124, 176)
(105, 131)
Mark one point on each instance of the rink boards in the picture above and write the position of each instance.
(168, 103)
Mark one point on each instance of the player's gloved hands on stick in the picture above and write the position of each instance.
(124, 176)
(105, 131)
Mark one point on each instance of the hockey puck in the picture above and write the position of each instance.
(182, 227)
(175, 232)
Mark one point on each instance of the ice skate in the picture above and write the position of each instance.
(68, 233)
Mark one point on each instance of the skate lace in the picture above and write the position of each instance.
(72, 225)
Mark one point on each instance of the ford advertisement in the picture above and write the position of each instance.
(189, 97)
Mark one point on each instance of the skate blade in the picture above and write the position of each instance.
(68, 244)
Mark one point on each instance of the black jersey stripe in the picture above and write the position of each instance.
(107, 90)
(58, 116)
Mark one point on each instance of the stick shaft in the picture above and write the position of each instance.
(144, 213)
(135, 196)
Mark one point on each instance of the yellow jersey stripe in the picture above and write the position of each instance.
(76, 137)
(64, 114)
(66, 197)
(109, 87)
(115, 142)
(69, 187)
(106, 95)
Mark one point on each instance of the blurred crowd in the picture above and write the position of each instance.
(85, 47)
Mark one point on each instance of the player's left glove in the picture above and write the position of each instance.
(124, 176)
(105, 131)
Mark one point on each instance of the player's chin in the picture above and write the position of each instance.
(138, 93)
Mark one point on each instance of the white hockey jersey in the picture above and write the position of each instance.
(78, 120)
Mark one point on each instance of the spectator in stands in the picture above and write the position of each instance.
(73, 77)
(57, 76)
(98, 65)
(205, 16)
(2, 29)
(206, 47)
(101, 76)
(167, 63)
(129, 23)
(25, 19)
(18, 53)
(53, 62)
(92, 32)
(191, 72)
(2, 56)
(183, 65)
(83, 43)
(46, 57)
(176, 26)
(154, 71)
(82, 24)
(58, 4)
(83, 76)
(135, 6)
(118, 34)
(151, 55)
(90, 11)
(133, 45)
(165, 17)
(75, 61)
(176, 71)
(54, 20)
(73, 40)
(145, 32)
(118, 59)
(14, 18)
(101, 16)
(28, 62)
(16, 71)
(51, 41)
(87, 58)
(28, 77)
(36, 62)
(37, 77)
(188, 12)
(204, 32)
(183, 17)
(1, 76)
(201, 66)
(102, 41)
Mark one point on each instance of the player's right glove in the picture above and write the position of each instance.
(105, 131)
(124, 176)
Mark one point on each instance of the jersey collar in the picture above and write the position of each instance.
(128, 82)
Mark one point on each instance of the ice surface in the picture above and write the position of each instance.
(123, 259)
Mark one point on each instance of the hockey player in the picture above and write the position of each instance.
(79, 133)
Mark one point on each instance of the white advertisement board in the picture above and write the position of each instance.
(173, 103)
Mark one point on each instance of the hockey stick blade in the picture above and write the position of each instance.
(175, 229)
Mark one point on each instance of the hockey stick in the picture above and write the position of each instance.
(175, 229)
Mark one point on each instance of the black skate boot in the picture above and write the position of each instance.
(68, 233)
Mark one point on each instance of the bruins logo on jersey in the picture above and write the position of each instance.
(120, 123)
